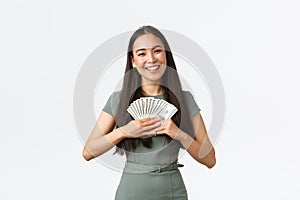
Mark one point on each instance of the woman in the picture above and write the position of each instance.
(151, 145)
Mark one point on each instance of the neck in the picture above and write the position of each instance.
(152, 89)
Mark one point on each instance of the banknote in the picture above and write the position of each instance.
(145, 107)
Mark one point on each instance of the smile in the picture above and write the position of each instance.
(152, 68)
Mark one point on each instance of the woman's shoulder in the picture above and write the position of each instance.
(190, 102)
(115, 94)
(187, 94)
(114, 97)
(112, 103)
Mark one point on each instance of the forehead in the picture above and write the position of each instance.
(147, 40)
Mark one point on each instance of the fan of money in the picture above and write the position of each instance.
(148, 107)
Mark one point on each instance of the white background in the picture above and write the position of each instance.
(254, 45)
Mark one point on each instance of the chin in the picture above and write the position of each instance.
(154, 78)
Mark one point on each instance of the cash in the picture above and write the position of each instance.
(148, 107)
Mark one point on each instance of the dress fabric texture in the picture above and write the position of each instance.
(144, 184)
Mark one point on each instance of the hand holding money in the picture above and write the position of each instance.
(171, 129)
(142, 127)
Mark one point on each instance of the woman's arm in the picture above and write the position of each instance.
(102, 138)
(199, 148)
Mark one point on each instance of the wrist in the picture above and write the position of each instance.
(121, 134)
(184, 139)
(180, 135)
(115, 136)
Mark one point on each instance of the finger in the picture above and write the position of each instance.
(160, 127)
(153, 126)
(163, 131)
(150, 122)
(149, 134)
(157, 131)
(145, 119)
(164, 122)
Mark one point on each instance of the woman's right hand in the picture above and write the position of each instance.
(141, 128)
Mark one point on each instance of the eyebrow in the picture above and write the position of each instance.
(152, 48)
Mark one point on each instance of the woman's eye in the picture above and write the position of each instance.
(141, 54)
(158, 51)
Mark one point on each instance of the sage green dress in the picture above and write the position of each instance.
(140, 183)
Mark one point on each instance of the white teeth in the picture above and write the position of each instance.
(152, 68)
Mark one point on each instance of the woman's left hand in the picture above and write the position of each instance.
(170, 128)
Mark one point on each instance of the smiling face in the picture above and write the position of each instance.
(149, 57)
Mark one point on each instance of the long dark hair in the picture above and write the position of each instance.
(132, 90)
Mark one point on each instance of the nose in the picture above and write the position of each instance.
(151, 57)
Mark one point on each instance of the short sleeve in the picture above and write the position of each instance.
(112, 103)
(192, 106)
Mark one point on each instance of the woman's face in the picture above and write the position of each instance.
(149, 57)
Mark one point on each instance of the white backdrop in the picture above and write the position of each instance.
(254, 45)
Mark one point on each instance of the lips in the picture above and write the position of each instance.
(152, 68)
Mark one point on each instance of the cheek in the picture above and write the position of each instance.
(164, 67)
(139, 62)
(163, 59)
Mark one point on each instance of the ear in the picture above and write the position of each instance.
(132, 62)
